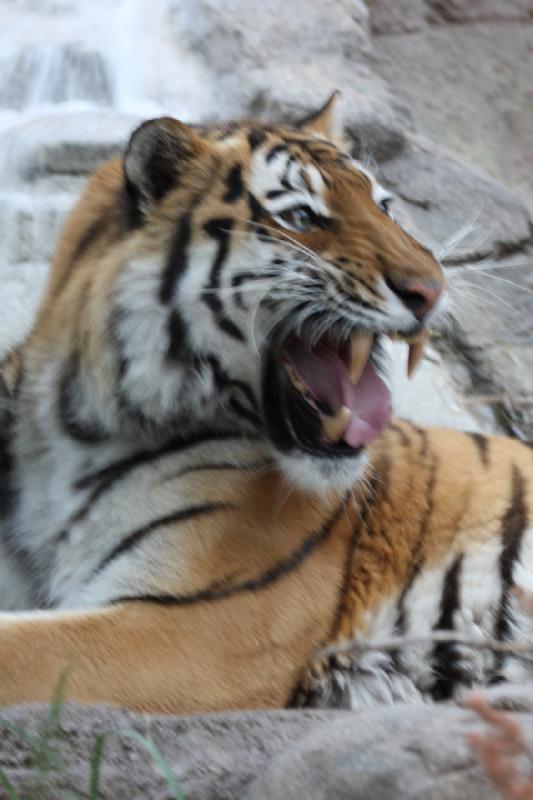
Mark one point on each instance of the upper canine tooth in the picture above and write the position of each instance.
(360, 347)
(416, 353)
(294, 379)
(334, 426)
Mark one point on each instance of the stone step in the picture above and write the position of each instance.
(64, 143)
(22, 287)
(30, 222)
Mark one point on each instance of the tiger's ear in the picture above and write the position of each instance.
(158, 152)
(327, 121)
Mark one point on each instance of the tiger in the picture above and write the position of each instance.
(205, 494)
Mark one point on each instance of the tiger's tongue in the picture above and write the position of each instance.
(326, 376)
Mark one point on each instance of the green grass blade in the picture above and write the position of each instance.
(56, 705)
(159, 760)
(96, 761)
(18, 730)
(8, 786)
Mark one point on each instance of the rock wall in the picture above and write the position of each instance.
(74, 80)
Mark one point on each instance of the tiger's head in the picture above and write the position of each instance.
(259, 270)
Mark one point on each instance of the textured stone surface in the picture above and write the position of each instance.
(316, 51)
(21, 287)
(408, 16)
(479, 10)
(468, 84)
(212, 757)
(408, 752)
(444, 195)
(397, 16)
(69, 144)
(495, 339)
(417, 751)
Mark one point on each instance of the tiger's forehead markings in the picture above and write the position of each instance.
(282, 177)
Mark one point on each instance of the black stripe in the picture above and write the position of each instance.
(405, 441)
(239, 279)
(136, 537)
(234, 184)
(514, 522)
(357, 281)
(225, 382)
(220, 230)
(240, 410)
(445, 659)
(256, 209)
(360, 301)
(285, 177)
(92, 233)
(263, 581)
(10, 492)
(482, 446)
(219, 466)
(274, 193)
(424, 442)
(378, 483)
(177, 260)
(274, 151)
(69, 402)
(102, 487)
(123, 468)
(178, 337)
(417, 557)
(256, 137)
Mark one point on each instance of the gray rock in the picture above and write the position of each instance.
(468, 85)
(398, 16)
(63, 144)
(212, 757)
(261, 55)
(30, 223)
(412, 752)
(22, 286)
(494, 307)
(407, 16)
(443, 195)
(478, 10)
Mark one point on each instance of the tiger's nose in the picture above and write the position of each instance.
(416, 295)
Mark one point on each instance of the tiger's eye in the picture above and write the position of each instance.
(298, 218)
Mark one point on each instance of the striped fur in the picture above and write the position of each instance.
(183, 552)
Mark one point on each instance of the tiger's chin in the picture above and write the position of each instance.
(325, 400)
(322, 476)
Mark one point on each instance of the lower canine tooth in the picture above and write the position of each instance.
(334, 426)
(416, 353)
(360, 347)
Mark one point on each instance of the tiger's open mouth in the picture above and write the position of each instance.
(329, 398)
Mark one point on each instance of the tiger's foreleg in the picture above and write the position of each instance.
(148, 657)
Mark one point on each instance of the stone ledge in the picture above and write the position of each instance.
(407, 751)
